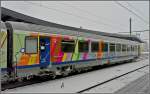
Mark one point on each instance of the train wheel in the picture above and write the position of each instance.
(64, 74)
(53, 76)
(79, 70)
(20, 79)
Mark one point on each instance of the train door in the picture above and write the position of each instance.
(44, 51)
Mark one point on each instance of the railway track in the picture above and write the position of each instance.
(35, 80)
(91, 87)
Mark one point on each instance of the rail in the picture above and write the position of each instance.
(91, 87)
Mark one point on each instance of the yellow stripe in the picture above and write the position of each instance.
(38, 41)
(64, 57)
(3, 39)
(32, 59)
(3, 35)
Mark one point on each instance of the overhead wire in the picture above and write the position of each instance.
(90, 13)
(68, 13)
(141, 18)
(137, 10)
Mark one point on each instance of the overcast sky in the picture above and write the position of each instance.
(105, 16)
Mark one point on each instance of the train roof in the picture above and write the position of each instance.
(9, 15)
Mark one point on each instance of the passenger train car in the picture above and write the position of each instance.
(28, 50)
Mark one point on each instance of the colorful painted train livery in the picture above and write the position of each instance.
(29, 49)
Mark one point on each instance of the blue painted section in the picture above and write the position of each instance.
(3, 69)
(86, 61)
(68, 62)
(44, 51)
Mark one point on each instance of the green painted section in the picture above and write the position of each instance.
(81, 38)
(76, 52)
(18, 44)
(3, 50)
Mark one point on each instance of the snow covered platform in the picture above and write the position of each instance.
(139, 86)
(120, 85)
(76, 83)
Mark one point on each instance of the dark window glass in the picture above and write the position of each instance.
(94, 46)
(124, 47)
(118, 47)
(67, 45)
(135, 48)
(83, 46)
(139, 48)
(105, 48)
(31, 45)
(112, 47)
(131, 48)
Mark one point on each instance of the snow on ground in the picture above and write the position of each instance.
(78, 82)
(119, 83)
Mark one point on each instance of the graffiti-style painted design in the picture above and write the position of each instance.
(76, 55)
(22, 58)
(3, 48)
(100, 52)
(56, 54)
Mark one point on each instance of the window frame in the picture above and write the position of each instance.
(132, 48)
(26, 44)
(82, 49)
(118, 45)
(68, 41)
(128, 48)
(124, 45)
(135, 48)
(110, 47)
(104, 50)
(92, 46)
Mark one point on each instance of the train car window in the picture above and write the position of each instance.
(83, 46)
(124, 47)
(94, 47)
(139, 48)
(68, 45)
(31, 45)
(118, 47)
(105, 48)
(135, 48)
(128, 48)
(112, 47)
(131, 48)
